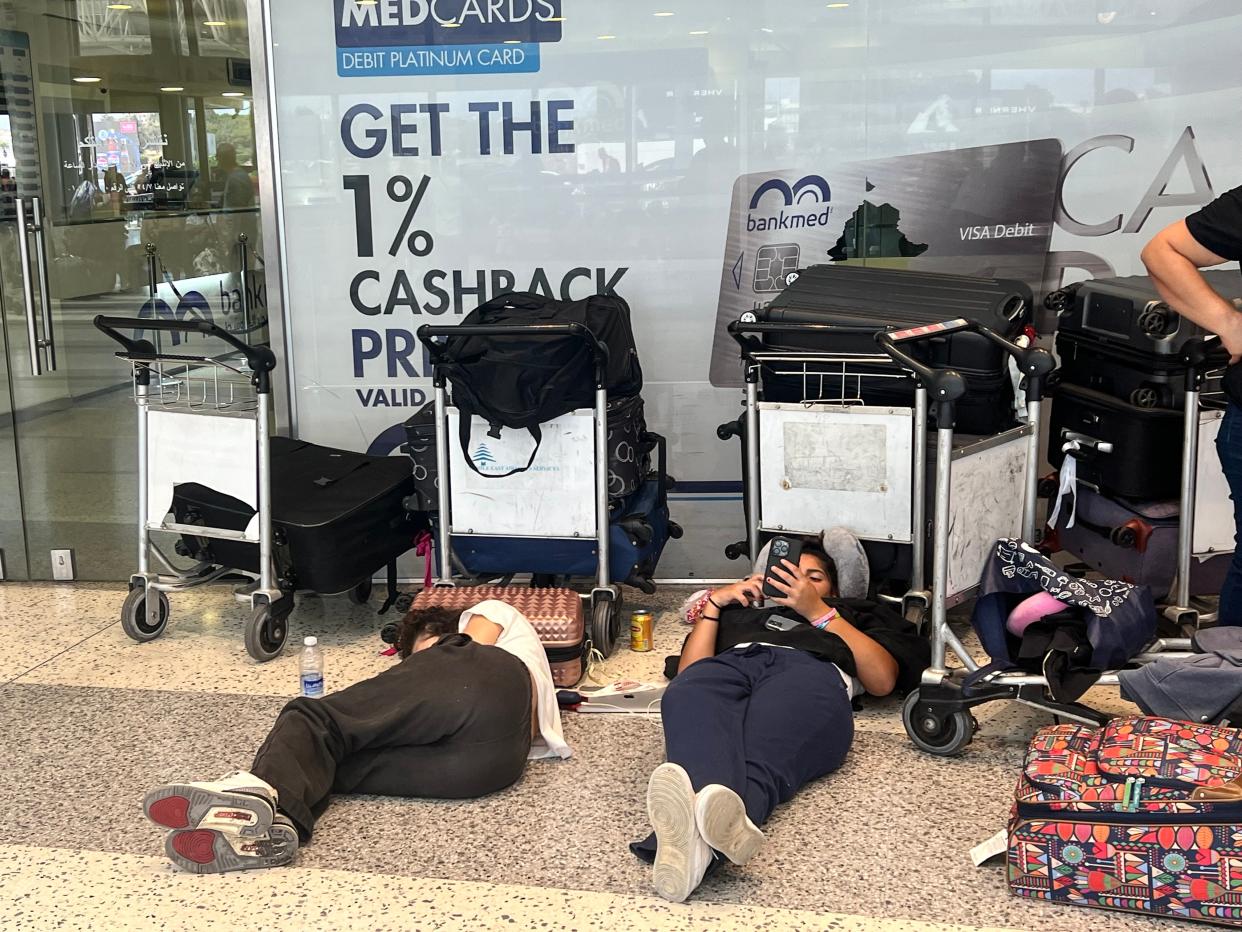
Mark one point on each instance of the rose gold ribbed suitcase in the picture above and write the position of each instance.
(556, 614)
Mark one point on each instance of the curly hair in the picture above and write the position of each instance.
(425, 622)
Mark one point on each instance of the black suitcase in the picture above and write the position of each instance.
(1146, 459)
(337, 517)
(1129, 312)
(1141, 379)
(855, 295)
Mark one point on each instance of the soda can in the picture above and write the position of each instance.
(640, 631)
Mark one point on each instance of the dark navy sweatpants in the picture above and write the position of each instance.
(761, 720)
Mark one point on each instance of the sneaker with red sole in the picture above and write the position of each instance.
(207, 851)
(240, 804)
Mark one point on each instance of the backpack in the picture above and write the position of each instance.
(523, 381)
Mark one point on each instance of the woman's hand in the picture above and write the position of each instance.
(745, 592)
(799, 592)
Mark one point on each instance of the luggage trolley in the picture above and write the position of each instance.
(195, 407)
(813, 465)
(1200, 356)
(554, 520)
(936, 715)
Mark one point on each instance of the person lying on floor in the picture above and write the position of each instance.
(470, 702)
(756, 712)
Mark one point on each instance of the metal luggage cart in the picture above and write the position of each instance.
(576, 508)
(814, 465)
(936, 715)
(1201, 356)
(190, 405)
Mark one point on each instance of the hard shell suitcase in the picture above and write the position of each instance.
(1138, 378)
(1146, 457)
(1135, 542)
(1143, 815)
(861, 296)
(555, 614)
(337, 517)
(1129, 312)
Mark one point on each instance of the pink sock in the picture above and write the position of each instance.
(1032, 609)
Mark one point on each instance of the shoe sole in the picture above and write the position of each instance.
(182, 806)
(670, 806)
(206, 851)
(721, 818)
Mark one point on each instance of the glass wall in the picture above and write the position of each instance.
(127, 187)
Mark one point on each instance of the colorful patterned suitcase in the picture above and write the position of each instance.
(1143, 815)
(556, 615)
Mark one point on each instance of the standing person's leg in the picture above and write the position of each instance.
(1229, 448)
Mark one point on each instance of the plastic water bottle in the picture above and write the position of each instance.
(311, 668)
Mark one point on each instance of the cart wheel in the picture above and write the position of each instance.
(266, 633)
(675, 530)
(602, 634)
(945, 736)
(134, 616)
(618, 618)
(361, 593)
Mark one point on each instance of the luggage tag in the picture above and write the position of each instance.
(992, 848)
(1068, 486)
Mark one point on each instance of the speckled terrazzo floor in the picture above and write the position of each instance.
(90, 720)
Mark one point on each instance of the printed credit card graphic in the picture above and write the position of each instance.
(983, 211)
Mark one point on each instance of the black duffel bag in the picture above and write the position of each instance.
(520, 381)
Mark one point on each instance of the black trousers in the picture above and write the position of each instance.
(452, 721)
(762, 721)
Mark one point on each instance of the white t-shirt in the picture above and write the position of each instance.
(518, 637)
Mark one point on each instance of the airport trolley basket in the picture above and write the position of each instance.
(173, 391)
(569, 519)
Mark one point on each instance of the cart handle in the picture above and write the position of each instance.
(435, 339)
(260, 359)
(742, 331)
(1201, 354)
(1034, 363)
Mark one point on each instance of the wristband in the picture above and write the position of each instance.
(824, 620)
(719, 608)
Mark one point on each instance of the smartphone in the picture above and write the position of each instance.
(783, 548)
(780, 623)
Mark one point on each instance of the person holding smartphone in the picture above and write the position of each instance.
(762, 704)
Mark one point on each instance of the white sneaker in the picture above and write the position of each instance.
(682, 855)
(207, 851)
(721, 818)
(239, 803)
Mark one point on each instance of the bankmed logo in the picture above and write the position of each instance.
(398, 37)
(805, 203)
(482, 456)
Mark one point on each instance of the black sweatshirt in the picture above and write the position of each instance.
(882, 624)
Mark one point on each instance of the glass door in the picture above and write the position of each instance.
(127, 188)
